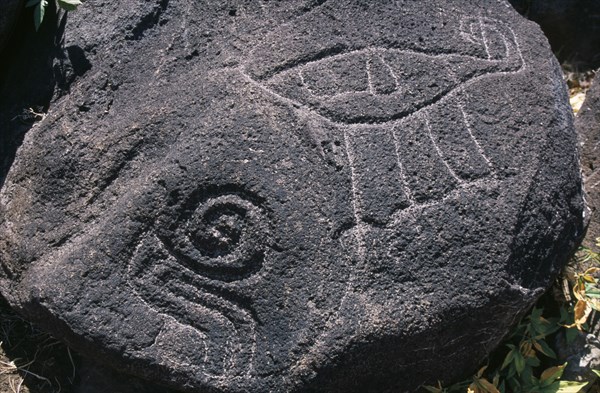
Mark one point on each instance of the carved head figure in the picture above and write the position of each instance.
(317, 199)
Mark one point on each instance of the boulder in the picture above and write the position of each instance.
(572, 27)
(293, 196)
(588, 127)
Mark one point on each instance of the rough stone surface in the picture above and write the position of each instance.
(298, 196)
(581, 356)
(95, 378)
(588, 127)
(572, 27)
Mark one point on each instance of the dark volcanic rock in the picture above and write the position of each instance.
(293, 196)
(588, 127)
(94, 378)
(572, 27)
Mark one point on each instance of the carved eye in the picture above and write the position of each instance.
(220, 225)
(223, 237)
(373, 85)
(216, 233)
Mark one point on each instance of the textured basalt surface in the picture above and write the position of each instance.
(588, 127)
(293, 196)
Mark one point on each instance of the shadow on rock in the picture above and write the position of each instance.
(27, 79)
(32, 361)
(571, 26)
(35, 362)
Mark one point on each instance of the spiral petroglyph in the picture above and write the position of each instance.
(290, 196)
(187, 269)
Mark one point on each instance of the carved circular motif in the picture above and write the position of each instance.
(223, 237)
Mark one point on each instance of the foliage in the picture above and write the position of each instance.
(587, 292)
(586, 288)
(40, 9)
(521, 369)
(526, 355)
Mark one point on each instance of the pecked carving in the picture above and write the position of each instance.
(380, 85)
(320, 191)
(383, 101)
(187, 269)
(219, 321)
(222, 237)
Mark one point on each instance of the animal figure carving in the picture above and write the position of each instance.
(293, 196)
(188, 269)
(389, 101)
(391, 108)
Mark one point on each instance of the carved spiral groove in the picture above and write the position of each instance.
(223, 237)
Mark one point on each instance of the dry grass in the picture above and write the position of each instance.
(578, 83)
(32, 361)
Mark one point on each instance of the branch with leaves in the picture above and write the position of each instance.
(520, 371)
(586, 288)
(527, 349)
(40, 9)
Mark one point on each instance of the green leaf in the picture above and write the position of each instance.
(536, 313)
(551, 374)
(519, 362)
(532, 361)
(597, 372)
(552, 388)
(514, 385)
(527, 377)
(571, 334)
(487, 385)
(592, 291)
(511, 371)
(542, 327)
(565, 317)
(38, 13)
(543, 347)
(509, 358)
(69, 5)
(554, 324)
(570, 386)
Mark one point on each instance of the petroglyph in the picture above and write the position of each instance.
(222, 238)
(393, 102)
(383, 102)
(190, 270)
(313, 186)
(393, 82)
